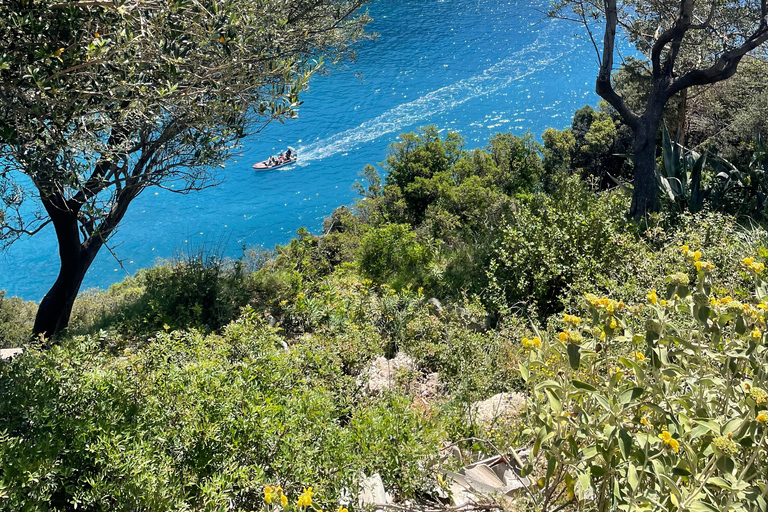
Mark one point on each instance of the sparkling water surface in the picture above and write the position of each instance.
(476, 67)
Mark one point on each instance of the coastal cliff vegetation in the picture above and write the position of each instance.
(637, 348)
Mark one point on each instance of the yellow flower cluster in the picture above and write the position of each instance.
(691, 255)
(534, 343)
(272, 493)
(759, 395)
(639, 356)
(756, 333)
(605, 303)
(750, 264)
(762, 417)
(571, 319)
(305, 499)
(670, 441)
(653, 298)
(704, 265)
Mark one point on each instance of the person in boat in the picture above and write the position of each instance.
(288, 154)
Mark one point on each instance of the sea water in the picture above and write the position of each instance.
(476, 67)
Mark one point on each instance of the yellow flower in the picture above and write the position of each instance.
(644, 421)
(96, 34)
(342, 509)
(563, 336)
(652, 297)
(269, 494)
(58, 52)
(685, 250)
(756, 333)
(613, 323)
(222, 40)
(674, 445)
(697, 256)
(305, 499)
(639, 356)
(283, 500)
(762, 417)
(667, 438)
(535, 342)
(748, 261)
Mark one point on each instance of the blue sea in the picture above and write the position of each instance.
(476, 67)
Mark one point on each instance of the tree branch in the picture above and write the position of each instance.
(604, 87)
(725, 66)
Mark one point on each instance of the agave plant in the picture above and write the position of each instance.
(680, 175)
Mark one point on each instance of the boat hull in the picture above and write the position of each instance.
(263, 166)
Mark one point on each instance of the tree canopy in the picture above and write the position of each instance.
(101, 99)
(687, 43)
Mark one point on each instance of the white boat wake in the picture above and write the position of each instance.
(498, 76)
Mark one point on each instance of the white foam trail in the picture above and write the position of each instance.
(498, 76)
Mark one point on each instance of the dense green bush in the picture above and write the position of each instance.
(558, 241)
(391, 254)
(187, 421)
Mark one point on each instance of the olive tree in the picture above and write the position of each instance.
(101, 99)
(688, 43)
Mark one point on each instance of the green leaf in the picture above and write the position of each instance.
(630, 395)
(719, 482)
(625, 443)
(574, 356)
(584, 481)
(632, 478)
(671, 484)
(523, 371)
(700, 506)
(711, 425)
(583, 385)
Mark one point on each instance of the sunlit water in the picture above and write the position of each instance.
(477, 67)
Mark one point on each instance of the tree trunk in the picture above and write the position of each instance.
(55, 308)
(644, 193)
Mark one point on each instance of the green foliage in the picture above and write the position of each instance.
(192, 422)
(16, 319)
(559, 147)
(391, 254)
(518, 164)
(600, 143)
(660, 407)
(556, 242)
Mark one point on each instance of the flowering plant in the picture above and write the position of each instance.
(663, 404)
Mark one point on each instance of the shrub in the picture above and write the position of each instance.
(16, 320)
(391, 254)
(554, 242)
(658, 406)
(192, 422)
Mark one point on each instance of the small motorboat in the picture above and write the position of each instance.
(275, 162)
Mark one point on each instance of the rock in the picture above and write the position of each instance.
(435, 303)
(9, 353)
(497, 477)
(501, 407)
(382, 372)
(372, 492)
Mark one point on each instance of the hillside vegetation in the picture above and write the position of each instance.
(205, 383)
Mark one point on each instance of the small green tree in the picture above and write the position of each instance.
(101, 99)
